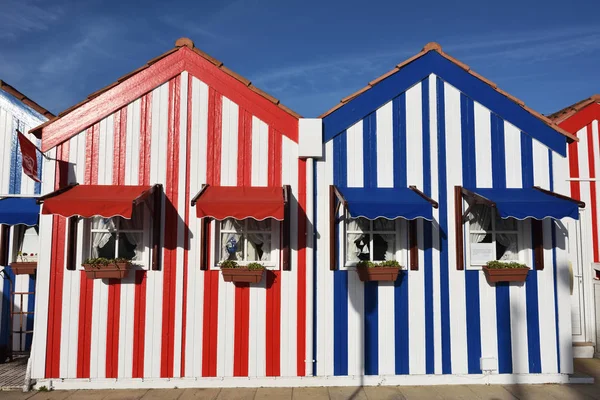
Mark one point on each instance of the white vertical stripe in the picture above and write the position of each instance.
(181, 226)
(260, 152)
(414, 136)
(433, 143)
(289, 279)
(354, 149)
(545, 279)
(324, 284)
(195, 297)
(154, 280)
(483, 178)
(385, 146)
(229, 143)
(40, 322)
(5, 138)
(513, 160)
(458, 331)
(132, 143)
(483, 146)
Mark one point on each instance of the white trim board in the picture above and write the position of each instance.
(243, 382)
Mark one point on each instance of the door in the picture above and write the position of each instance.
(578, 258)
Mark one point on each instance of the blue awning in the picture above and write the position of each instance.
(19, 210)
(529, 203)
(390, 203)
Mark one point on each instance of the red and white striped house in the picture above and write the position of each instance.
(582, 120)
(158, 136)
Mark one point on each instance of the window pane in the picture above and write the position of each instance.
(383, 224)
(259, 246)
(103, 244)
(480, 218)
(231, 224)
(358, 224)
(506, 246)
(136, 223)
(131, 246)
(103, 223)
(262, 226)
(358, 247)
(509, 224)
(384, 247)
(232, 247)
(481, 238)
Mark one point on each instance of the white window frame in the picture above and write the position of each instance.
(143, 264)
(522, 230)
(275, 254)
(18, 232)
(401, 232)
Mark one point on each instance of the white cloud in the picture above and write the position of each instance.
(24, 16)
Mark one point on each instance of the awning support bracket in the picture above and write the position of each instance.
(41, 199)
(472, 199)
(434, 203)
(580, 203)
(197, 196)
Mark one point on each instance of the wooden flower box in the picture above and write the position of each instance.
(242, 275)
(24, 268)
(389, 274)
(111, 271)
(494, 275)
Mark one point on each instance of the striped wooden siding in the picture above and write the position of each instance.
(15, 115)
(439, 320)
(180, 321)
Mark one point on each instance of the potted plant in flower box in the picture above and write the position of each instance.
(498, 271)
(26, 264)
(382, 271)
(105, 268)
(232, 272)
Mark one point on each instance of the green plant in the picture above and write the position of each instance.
(228, 264)
(43, 389)
(103, 262)
(504, 265)
(255, 266)
(383, 264)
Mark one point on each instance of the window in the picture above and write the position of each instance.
(248, 240)
(371, 240)
(491, 237)
(118, 237)
(26, 243)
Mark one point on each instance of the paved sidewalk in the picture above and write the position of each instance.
(462, 392)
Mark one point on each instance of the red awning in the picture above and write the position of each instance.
(222, 202)
(95, 200)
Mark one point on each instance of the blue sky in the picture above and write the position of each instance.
(307, 53)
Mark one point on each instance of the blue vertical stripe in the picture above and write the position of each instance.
(4, 328)
(370, 150)
(443, 221)
(371, 323)
(399, 132)
(469, 168)
(30, 308)
(427, 232)
(531, 284)
(502, 289)
(401, 311)
(340, 278)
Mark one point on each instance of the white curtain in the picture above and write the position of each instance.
(100, 239)
(259, 244)
(232, 245)
(481, 216)
(136, 223)
(358, 244)
(382, 224)
(508, 240)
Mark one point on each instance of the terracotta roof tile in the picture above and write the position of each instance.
(432, 46)
(181, 42)
(567, 112)
(24, 99)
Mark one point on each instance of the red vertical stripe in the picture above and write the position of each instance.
(301, 312)
(114, 285)
(574, 169)
(186, 231)
(139, 313)
(592, 166)
(273, 298)
(86, 290)
(57, 268)
(211, 278)
(171, 218)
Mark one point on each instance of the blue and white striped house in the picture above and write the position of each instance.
(17, 112)
(434, 124)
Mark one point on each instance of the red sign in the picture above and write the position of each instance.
(29, 157)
